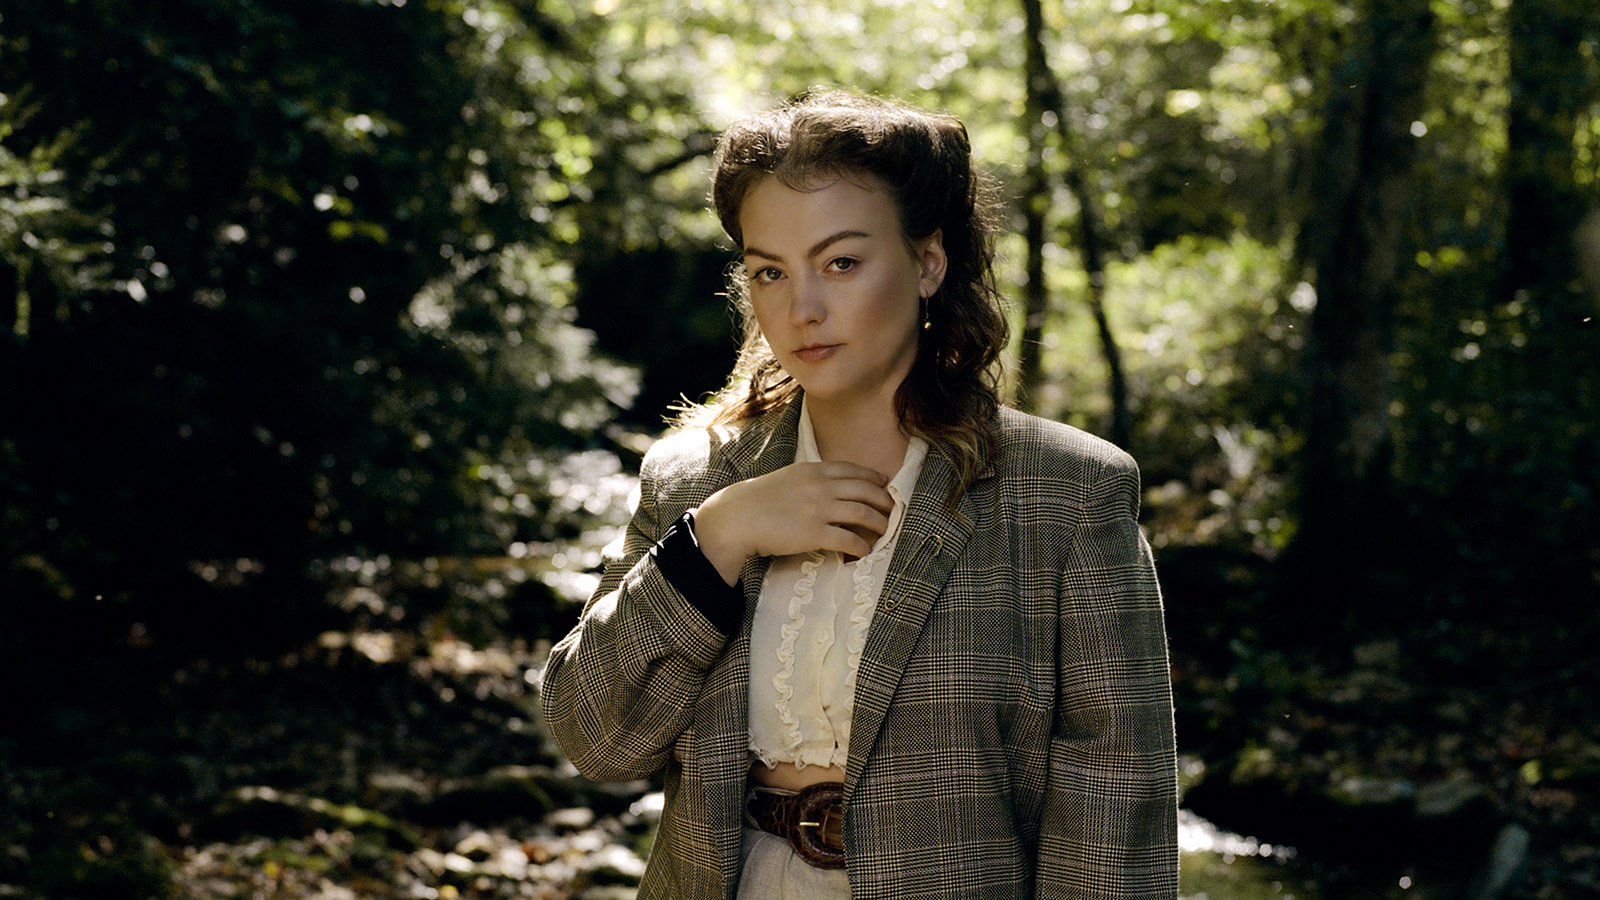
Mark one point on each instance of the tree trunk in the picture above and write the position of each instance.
(1035, 206)
(1352, 240)
(1045, 99)
(1035, 295)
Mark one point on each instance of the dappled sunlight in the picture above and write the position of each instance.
(1196, 835)
(1217, 865)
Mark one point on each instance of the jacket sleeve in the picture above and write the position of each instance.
(621, 686)
(1109, 825)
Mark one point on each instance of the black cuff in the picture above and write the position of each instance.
(680, 559)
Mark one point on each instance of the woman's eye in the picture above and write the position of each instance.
(768, 274)
(843, 264)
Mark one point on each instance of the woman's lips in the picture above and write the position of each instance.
(815, 352)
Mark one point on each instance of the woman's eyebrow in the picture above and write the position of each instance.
(816, 248)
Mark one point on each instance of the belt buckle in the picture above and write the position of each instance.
(810, 819)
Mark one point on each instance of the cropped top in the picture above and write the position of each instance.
(810, 627)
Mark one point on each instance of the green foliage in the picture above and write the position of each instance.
(1496, 389)
(326, 279)
(50, 246)
(346, 280)
(1211, 330)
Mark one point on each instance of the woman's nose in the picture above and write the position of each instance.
(806, 305)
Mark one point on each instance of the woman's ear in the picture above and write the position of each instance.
(931, 263)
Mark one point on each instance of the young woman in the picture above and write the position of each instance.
(883, 637)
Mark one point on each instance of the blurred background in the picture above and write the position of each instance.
(332, 332)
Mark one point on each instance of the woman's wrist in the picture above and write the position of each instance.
(715, 540)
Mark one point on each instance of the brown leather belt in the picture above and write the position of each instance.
(812, 821)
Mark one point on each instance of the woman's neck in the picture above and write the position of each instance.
(866, 435)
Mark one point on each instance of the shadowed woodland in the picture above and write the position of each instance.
(332, 333)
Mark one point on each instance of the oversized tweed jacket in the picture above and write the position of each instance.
(1013, 730)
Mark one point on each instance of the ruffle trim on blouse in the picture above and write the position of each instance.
(861, 613)
(804, 592)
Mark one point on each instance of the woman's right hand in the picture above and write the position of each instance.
(802, 507)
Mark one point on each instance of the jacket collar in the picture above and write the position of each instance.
(764, 444)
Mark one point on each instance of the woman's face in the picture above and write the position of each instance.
(835, 288)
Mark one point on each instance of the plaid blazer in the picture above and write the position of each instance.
(1013, 729)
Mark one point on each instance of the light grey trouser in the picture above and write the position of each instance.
(773, 871)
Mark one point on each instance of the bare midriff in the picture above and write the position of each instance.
(786, 776)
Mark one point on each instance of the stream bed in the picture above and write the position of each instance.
(1218, 865)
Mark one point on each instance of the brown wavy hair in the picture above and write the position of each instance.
(951, 396)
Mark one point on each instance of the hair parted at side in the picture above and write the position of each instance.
(951, 395)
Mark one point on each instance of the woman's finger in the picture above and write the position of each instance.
(839, 469)
(860, 515)
(848, 542)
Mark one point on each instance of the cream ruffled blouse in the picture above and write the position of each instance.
(810, 627)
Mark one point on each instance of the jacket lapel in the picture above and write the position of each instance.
(931, 539)
(721, 717)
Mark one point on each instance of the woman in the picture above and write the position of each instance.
(882, 636)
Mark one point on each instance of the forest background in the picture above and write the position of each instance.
(332, 332)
